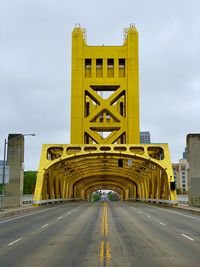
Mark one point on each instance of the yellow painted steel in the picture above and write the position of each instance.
(105, 91)
(105, 150)
(69, 171)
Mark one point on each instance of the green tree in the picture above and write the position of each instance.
(113, 196)
(96, 196)
(178, 191)
(29, 182)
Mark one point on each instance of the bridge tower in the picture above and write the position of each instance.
(105, 91)
(105, 151)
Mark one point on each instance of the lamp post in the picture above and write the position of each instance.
(4, 166)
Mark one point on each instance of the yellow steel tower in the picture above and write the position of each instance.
(105, 95)
(105, 151)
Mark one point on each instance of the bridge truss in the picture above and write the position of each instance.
(105, 150)
(140, 172)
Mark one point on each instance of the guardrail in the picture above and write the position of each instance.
(56, 200)
(27, 199)
(158, 201)
(181, 199)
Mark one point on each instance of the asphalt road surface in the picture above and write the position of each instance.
(77, 234)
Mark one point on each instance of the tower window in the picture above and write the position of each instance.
(110, 65)
(121, 67)
(99, 67)
(88, 67)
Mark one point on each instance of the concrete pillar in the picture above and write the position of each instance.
(193, 157)
(15, 161)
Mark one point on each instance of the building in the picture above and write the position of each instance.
(193, 157)
(181, 175)
(145, 138)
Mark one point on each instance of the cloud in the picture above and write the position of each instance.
(35, 66)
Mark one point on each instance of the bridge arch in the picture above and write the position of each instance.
(68, 175)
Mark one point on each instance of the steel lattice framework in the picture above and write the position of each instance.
(105, 152)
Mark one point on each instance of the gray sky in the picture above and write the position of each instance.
(35, 62)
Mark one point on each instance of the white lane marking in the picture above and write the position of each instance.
(184, 215)
(33, 213)
(188, 237)
(162, 223)
(10, 244)
(60, 217)
(43, 226)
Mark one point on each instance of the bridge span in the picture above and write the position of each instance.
(141, 172)
(105, 149)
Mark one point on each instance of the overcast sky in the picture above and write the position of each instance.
(35, 66)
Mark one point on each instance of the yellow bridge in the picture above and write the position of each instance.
(105, 150)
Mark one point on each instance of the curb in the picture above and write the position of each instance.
(188, 209)
(7, 213)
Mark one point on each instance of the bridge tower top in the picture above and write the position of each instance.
(105, 91)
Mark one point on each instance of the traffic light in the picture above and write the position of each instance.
(120, 162)
(172, 185)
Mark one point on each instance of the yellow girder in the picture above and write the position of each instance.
(75, 163)
(105, 122)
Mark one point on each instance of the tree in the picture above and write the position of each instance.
(96, 196)
(29, 182)
(113, 196)
(178, 191)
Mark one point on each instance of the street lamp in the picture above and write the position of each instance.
(4, 165)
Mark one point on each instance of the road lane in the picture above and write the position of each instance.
(63, 242)
(12, 228)
(137, 236)
(182, 222)
(101, 234)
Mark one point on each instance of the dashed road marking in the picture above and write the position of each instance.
(10, 244)
(34, 213)
(45, 225)
(178, 213)
(162, 223)
(187, 237)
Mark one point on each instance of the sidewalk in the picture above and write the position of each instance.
(187, 208)
(16, 210)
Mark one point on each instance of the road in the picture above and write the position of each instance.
(77, 234)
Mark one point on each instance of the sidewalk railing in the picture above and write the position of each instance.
(181, 199)
(27, 199)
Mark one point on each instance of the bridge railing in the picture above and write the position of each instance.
(158, 201)
(181, 199)
(27, 199)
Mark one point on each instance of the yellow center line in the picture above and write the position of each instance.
(101, 251)
(106, 221)
(107, 252)
(104, 245)
(103, 221)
